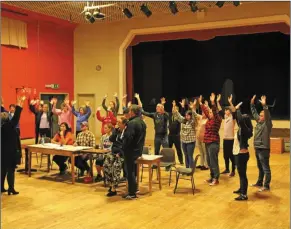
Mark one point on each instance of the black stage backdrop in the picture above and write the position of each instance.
(256, 64)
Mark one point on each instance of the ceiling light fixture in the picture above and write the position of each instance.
(98, 15)
(89, 17)
(144, 8)
(220, 3)
(236, 3)
(193, 6)
(127, 13)
(173, 7)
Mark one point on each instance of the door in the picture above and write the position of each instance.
(81, 100)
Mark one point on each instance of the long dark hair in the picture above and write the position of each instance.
(67, 128)
(246, 126)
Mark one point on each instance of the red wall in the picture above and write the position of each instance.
(48, 59)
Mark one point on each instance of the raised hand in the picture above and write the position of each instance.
(66, 101)
(41, 102)
(263, 100)
(136, 95)
(182, 103)
(195, 102)
(218, 98)
(87, 103)
(163, 100)
(105, 96)
(238, 105)
(129, 104)
(125, 96)
(115, 94)
(200, 99)
(52, 102)
(191, 105)
(174, 103)
(32, 102)
(206, 103)
(253, 99)
(99, 109)
(212, 97)
(230, 99)
(73, 102)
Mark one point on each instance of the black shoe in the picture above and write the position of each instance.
(123, 179)
(204, 168)
(109, 194)
(237, 191)
(3, 190)
(109, 190)
(199, 167)
(241, 197)
(82, 172)
(12, 191)
(225, 172)
(130, 197)
(98, 178)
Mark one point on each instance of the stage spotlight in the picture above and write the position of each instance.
(98, 15)
(127, 13)
(193, 6)
(236, 3)
(89, 17)
(145, 10)
(173, 7)
(220, 4)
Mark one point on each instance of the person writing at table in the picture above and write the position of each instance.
(63, 137)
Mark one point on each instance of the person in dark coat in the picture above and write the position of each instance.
(133, 143)
(10, 147)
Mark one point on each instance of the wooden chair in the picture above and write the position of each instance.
(187, 172)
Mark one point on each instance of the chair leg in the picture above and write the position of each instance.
(177, 180)
(40, 160)
(170, 178)
(193, 186)
(141, 173)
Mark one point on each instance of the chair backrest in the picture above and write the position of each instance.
(168, 155)
(146, 150)
(195, 163)
(46, 140)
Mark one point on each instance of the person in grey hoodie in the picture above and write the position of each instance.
(262, 143)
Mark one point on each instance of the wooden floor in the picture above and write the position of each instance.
(45, 202)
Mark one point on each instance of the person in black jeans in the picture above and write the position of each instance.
(241, 151)
(161, 119)
(133, 143)
(262, 143)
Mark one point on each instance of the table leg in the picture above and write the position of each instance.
(159, 175)
(91, 167)
(137, 174)
(73, 168)
(150, 178)
(29, 163)
(48, 162)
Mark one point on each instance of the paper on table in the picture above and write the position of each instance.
(59, 147)
(150, 157)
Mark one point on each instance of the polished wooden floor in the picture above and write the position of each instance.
(46, 201)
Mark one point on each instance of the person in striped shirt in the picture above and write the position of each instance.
(188, 133)
(212, 139)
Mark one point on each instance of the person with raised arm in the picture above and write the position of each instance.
(228, 136)
(43, 122)
(109, 118)
(65, 113)
(262, 143)
(10, 147)
(113, 106)
(188, 132)
(212, 139)
(82, 115)
(240, 151)
(160, 118)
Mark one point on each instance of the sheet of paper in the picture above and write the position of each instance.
(150, 157)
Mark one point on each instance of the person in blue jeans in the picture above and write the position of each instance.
(82, 116)
(262, 143)
(188, 132)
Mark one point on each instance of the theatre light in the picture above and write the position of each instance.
(193, 6)
(173, 7)
(98, 15)
(236, 3)
(144, 8)
(127, 13)
(89, 17)
(220, 3)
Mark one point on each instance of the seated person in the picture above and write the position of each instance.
(85, 138)
(63, 137)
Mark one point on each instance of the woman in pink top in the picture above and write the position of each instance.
(64, 114)
(202, 119)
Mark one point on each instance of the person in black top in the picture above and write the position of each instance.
(113, 161)
(133, 143)
(241, 151)
(10, 147)
(161, 119)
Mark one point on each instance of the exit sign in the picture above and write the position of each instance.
(53, 86)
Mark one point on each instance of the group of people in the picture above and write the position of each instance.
(124, 137)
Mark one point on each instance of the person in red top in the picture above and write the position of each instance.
(211, 139)
(63, 137)
(110, 118)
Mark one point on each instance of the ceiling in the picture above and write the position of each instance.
(70, 11)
